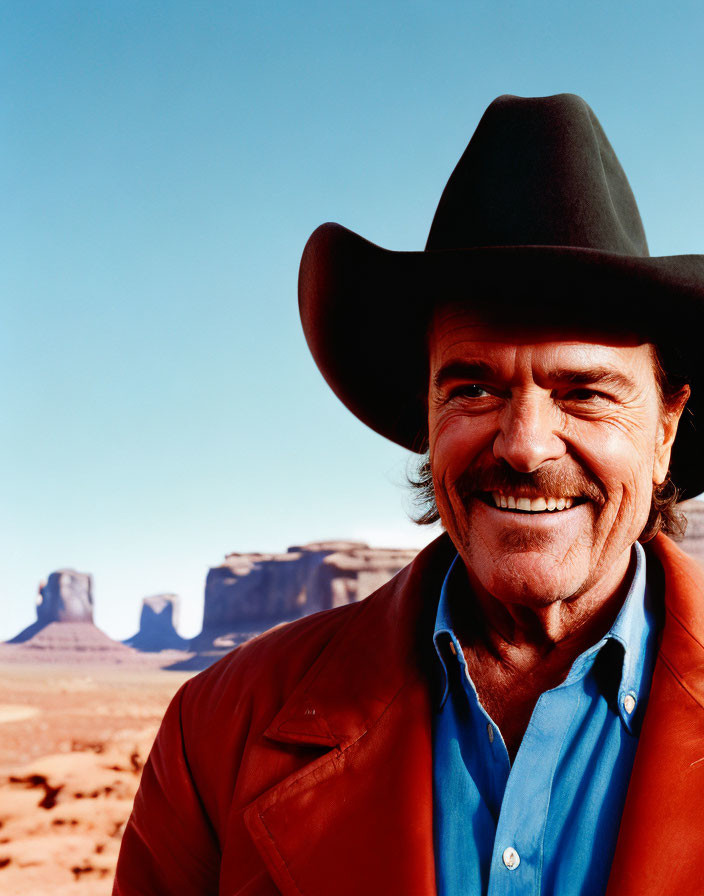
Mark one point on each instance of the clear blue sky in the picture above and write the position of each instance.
(162, 167)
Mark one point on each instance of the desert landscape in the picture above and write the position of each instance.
(73, 740)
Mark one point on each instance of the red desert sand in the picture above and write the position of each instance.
(73, 740)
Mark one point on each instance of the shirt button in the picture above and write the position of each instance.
(511, 858)
(629, 703)
(490, 732)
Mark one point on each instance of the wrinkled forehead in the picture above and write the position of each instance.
(454, 325)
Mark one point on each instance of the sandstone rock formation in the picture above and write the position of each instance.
(250, 593)
(65, 633)
(353, 574)
(67, 596)
(157, 625)
(66, 642)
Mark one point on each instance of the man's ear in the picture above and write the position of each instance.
(667, 430)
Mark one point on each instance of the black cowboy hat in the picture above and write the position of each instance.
(539, 217)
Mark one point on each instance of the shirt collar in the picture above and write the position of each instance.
(634, 629)
(444, 637)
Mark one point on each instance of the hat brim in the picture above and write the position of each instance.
(365, 313)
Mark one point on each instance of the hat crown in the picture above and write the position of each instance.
(539, 172)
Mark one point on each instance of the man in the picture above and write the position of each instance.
(521, 710)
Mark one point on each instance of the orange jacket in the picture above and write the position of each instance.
(301, 762)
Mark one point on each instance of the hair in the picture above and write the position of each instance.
(670, 379)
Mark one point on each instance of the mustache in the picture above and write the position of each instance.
(550, 481)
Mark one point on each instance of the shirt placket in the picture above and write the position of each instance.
(490, 744)
(516, 863)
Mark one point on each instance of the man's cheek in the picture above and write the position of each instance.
(453, 432)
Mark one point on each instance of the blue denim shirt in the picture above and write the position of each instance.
(548, 824)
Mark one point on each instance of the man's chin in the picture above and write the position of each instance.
(528, 558)
(531, 578)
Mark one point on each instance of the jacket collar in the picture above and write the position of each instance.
(383, 646)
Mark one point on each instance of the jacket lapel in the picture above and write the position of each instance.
(659, 844)
(360, 819)
(361, 816)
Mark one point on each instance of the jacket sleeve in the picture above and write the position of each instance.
(169, 845)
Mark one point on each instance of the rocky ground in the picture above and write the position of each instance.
(73, 740)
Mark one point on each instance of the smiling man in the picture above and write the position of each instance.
(521, 710)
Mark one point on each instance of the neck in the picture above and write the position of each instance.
(515, 652)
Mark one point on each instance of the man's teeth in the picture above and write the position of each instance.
(532, 504)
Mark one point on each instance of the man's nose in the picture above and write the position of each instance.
(528, 433)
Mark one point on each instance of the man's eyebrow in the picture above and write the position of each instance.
(592, 376)
(463, 370)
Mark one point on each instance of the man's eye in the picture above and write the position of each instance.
(469, 390)
(583, 395)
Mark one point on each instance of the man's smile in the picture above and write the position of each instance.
(531, 503)
(570, 516)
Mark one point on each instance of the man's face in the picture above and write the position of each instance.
(544, 449)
